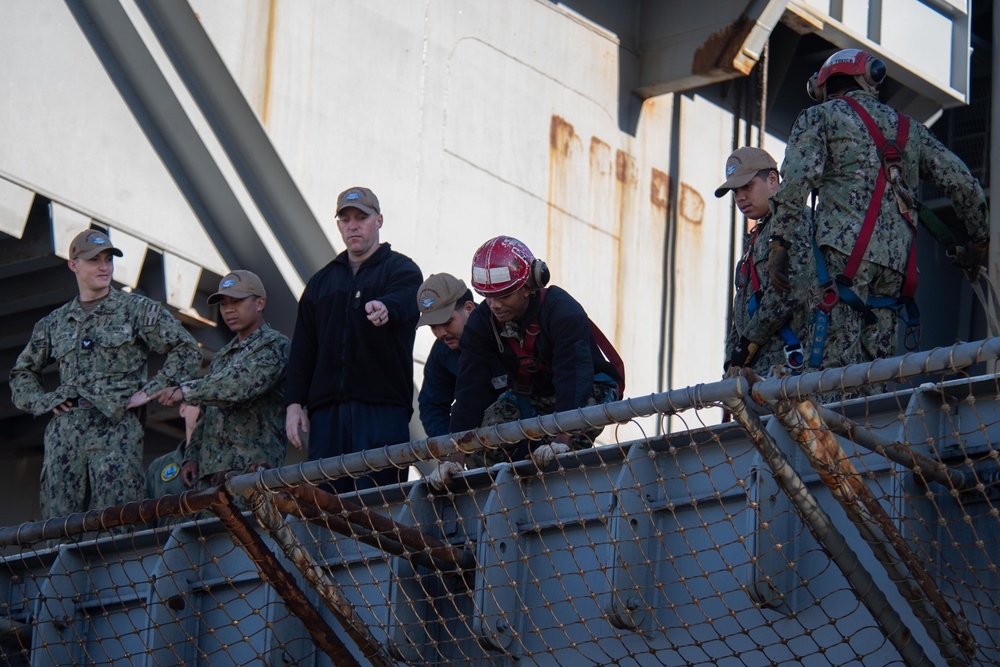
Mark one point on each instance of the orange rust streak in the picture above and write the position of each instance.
(723, 49)
(561, 135)
(265, 106)
(692, 205)
(659, 190)
(625, 179)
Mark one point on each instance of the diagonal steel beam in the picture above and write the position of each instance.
(239, 131)
(174, 137)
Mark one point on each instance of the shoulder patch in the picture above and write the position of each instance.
(170, 472)
(152, 314)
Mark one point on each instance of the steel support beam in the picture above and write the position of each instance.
(240, 133)
(174, 137)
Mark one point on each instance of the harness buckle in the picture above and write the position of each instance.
(890, 153)
(911, 337)
(794, 358)
(828, 295)
(521, 389)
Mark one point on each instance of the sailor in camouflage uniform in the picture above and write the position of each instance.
(768, 327)
(101, 341)
(832, 152)
(242, 396)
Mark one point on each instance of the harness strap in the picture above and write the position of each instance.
(748, 262)
(891, 154)
(612, 355)
(527, 363)
(793, 348)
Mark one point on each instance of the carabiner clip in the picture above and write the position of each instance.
(794, 358)
(911, 337)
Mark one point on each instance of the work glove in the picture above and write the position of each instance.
(970, 257)
(777, 267)
(441, 477)
(546, 454)
(743, 354)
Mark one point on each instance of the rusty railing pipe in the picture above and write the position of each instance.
(274, 573)
(897, 452)
(319, 577)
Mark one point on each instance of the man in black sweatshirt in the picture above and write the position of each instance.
(350, 372)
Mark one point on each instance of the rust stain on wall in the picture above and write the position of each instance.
(562, 136)
(626, 180)
(622, 163)
(659, 189)
(272, 20)
(692, 208)
(599, 152)
(724, 49)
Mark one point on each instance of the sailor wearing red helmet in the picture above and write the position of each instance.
(543, 339)
(862, 161)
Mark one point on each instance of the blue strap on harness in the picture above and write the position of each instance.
(821, 315)
(907, 311)
(793, 348)
(835, 291)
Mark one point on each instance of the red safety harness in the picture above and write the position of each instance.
(839, 289)
(528, 364)
(891, 155)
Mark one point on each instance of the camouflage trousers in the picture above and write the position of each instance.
(850, 340)
(90, 462)
(511, 407)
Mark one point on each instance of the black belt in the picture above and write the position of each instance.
(82, 403)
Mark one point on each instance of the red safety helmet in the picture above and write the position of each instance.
(504, 265)
(866, 69)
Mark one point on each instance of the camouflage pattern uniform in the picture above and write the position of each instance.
(774, 310)
(510, 407)
(93, 453)
(831, 151)
(243, 401)
(163, 476)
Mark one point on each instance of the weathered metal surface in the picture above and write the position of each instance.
(903, 566)
(687, 45)
(830, 536)
(723, 50)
